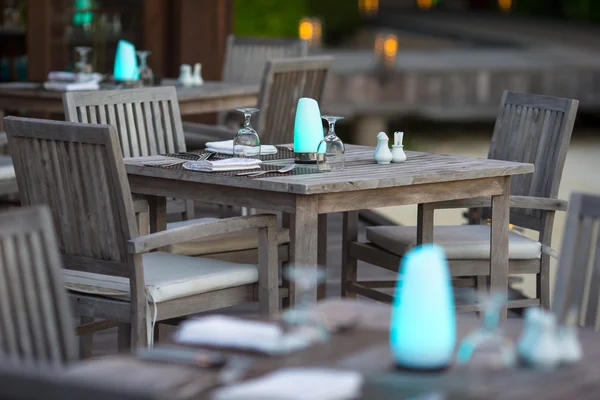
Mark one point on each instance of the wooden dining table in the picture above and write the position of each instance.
(365, 348)
(212, 96)
(306, 196)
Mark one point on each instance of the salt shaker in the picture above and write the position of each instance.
(568, 340)
(382, 154)
(197, 76)
(538, 346)
(185, 75)
(398, 154)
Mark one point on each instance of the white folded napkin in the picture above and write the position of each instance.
(236, 333)
(63, 76)
(297, 384)
(226, 147)
(228, 164)
(153, 160)
(70, 87)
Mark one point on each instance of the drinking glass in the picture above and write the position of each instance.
(146, 74)
(331, 153)
(83, 65)
(303, 315)
(246, 142)
(487, 346)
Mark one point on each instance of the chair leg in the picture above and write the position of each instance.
(124, 338)
(161, 333)
(543, 282)
(349, 264)
(139, 334)
(189, 210)
(86, 341)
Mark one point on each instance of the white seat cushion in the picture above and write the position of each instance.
(168, 276)
(464, 242)
(7, 170)
(235, 241)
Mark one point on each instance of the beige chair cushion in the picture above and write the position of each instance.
(7, 171)
(220, 243)
(167, 277)
(464, 242)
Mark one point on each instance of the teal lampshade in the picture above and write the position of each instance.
(126, 65)
(423, 324)
(308, 128)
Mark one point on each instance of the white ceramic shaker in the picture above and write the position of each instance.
(185, 75)
(382, 154)
(398, 154)
(197, 75)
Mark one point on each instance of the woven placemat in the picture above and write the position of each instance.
(282, 154)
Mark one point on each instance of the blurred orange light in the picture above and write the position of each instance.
(426, 4)
(390, 46)
(505, 5)
(305, 30)
(368, 6)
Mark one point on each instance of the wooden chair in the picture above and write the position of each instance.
(78, 171)
(529, 128)
(147, 119)
(19, 383)
(284, 82)
(577, 282)
(246, 57)
(36, 327)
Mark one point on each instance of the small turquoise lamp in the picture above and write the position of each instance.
(126, 66)
(83, 17)
(308, 131)
(423, 324)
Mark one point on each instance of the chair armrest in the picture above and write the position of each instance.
(536, 203)
(140, 205)
(197, 135)
(144, 244)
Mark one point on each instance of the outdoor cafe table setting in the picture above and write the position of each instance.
(357, 360)
(292, 182)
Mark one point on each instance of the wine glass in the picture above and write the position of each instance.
(82, 65)
(487, 345)
(146, 74)
(331, 153)
(246, 142)
(303, 315)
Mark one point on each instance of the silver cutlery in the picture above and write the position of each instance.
(200, 157)
(254, 174)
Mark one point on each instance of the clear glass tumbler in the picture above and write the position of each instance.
(331, 153)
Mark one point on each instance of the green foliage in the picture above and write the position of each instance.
(578, 10)
(268, 18)
(280, 18)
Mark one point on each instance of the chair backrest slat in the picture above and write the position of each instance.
(78, 171)
(534, 129)
(36, 326)
(285, 81)
(577, 282)
(246, 57)
(147, 119)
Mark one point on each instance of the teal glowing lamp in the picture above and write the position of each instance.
(83, 17)
(423, 323)
(126, 66)
(308, 131)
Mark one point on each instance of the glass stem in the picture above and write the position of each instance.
(331, 128)
(247, 118)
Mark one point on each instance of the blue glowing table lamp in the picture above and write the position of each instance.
(423, 324)
(308, 131)
(126, 65)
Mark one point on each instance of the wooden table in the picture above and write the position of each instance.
(361, 185)
(366, 349)
(210, 97)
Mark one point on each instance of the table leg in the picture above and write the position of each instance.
(158, 213)
(304, 239)
(2, 120)
(322, 255)
(499, 242)
(424, 224)
(349, 264)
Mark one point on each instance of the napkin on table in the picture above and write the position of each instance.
(228, 164)
(226, 147)
(297, 384)
(236, 333)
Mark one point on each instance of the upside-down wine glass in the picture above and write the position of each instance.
(83, 65)
(246, 142)
(331, 153)
(146, 74)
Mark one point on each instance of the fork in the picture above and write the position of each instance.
(283, 170)
(201, 157)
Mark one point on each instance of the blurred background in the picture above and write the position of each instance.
(434, 69)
